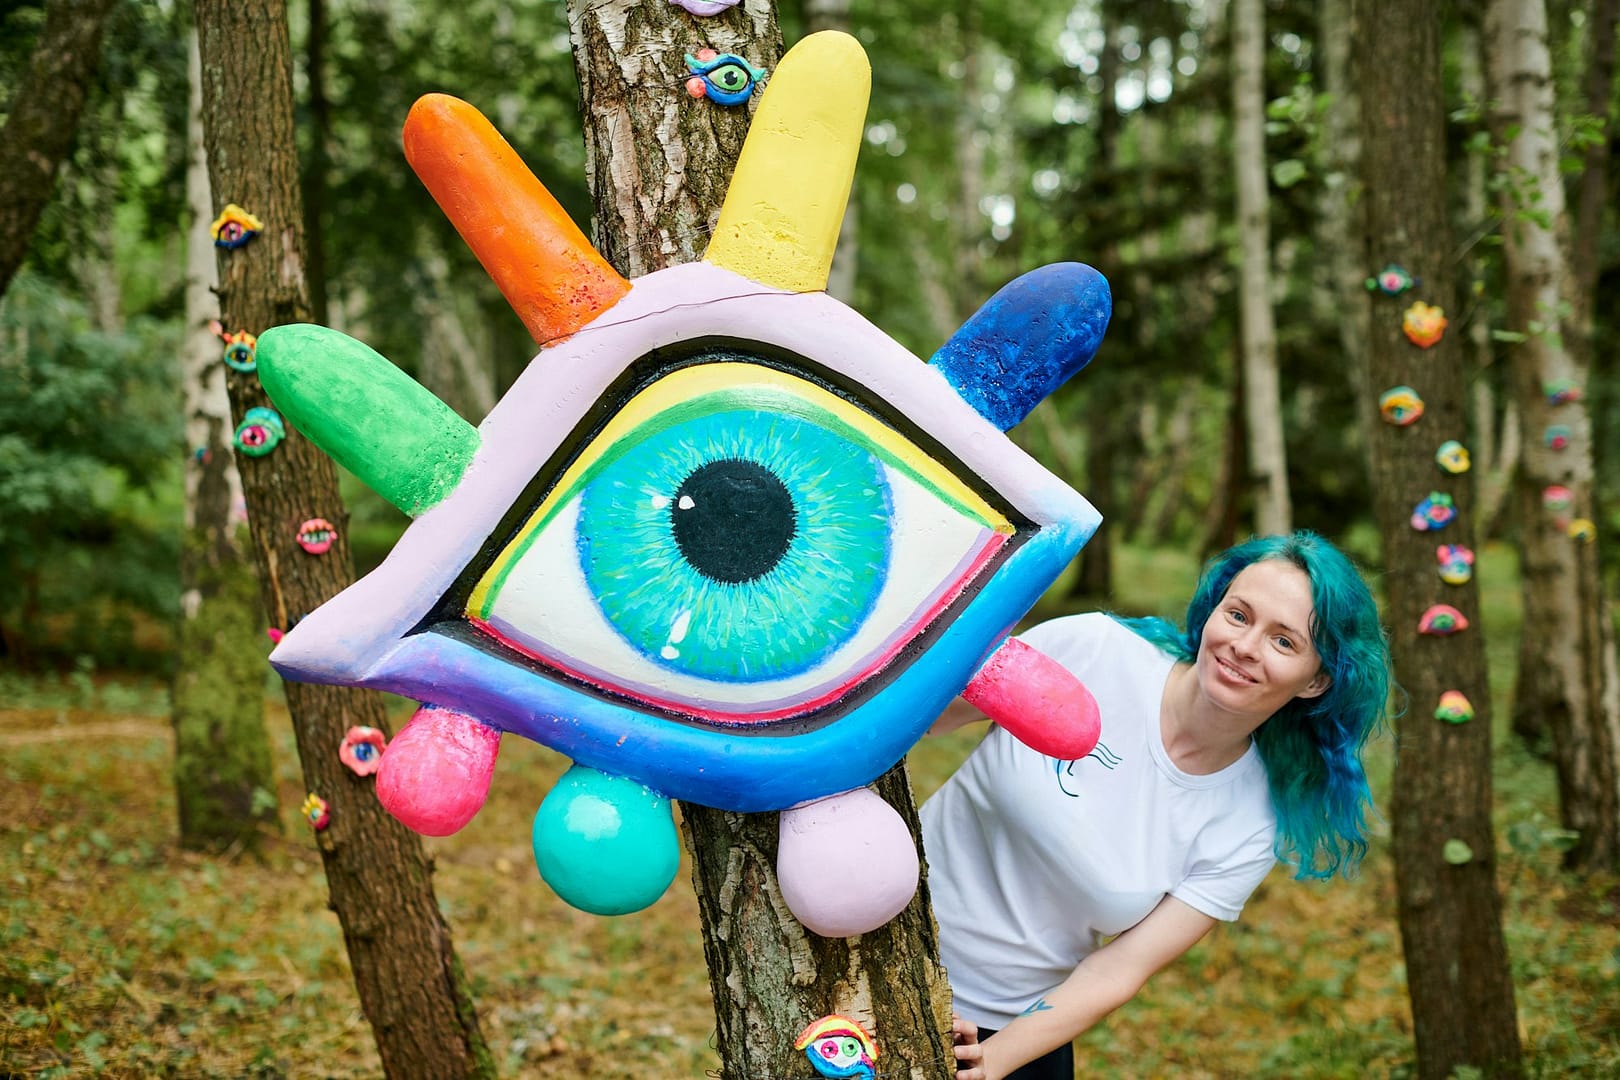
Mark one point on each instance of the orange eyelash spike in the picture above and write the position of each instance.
(544, 266)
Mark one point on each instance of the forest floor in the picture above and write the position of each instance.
(123, 956)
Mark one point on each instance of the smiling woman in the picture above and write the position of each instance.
(1061, 886)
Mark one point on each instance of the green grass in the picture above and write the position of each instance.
(122, 956)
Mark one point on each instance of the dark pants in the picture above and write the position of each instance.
(1057, 1065)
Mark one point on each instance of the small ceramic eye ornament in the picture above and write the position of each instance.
(362, 750)
(705, 7)
(1556, 437)
(1424, 324)
(1434, 512)
(725, 78)
(1452, 456)
(239, 347)
(1561, 391)
(1583, 530)
(1392, 280)
(1400, 405)
(1454, 708)
(260, 432)
(234, 227)
(1442, 620)
(839, 1047)
(316, 536)
(1456, 563)
(316, 812)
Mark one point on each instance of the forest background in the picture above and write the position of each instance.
(998, 139)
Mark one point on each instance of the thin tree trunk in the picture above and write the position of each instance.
(1445, 850)
(315, 169)
(1268, 458)
(769, 976)
(1566, 654)
(379, 882)
(834, 15)
(44, 119)
(223, 777)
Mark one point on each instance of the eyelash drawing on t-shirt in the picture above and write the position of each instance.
(1104, 757)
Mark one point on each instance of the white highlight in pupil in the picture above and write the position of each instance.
(686, 502)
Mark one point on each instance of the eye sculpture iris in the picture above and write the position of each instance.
(725, 78)
(234, 227)
(260, 432)
(724, 540)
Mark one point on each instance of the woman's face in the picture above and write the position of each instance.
(1256, 654)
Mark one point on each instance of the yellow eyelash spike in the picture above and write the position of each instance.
(780, 220)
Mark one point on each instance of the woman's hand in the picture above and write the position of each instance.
(969, 1052)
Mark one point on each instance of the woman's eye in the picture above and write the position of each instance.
(1286, 644)
(738, 544)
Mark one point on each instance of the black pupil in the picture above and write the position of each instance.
(729, 77)
(733, 520)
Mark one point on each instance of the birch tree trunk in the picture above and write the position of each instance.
(659, 163)
(379, 881)
(1268, 458)
(1567, 672)
(223, 778)
(1445, 850)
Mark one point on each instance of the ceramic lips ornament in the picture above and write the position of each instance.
(722, 541)
(1452, 457)
(1424, 324)
(1456, 563)
(1400, 405)
(839, 1047)
(1442, 620)
(1557, 499)
(1435, 512)
(316, 536)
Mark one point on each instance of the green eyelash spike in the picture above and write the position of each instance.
(369, 416)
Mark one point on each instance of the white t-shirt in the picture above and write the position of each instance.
(1032, 861)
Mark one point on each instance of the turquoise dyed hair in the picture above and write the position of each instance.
(1311, 746)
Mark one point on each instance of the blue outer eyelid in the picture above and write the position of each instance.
(1027, 340)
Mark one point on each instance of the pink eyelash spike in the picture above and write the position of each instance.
(435, 775)
(1038, 701)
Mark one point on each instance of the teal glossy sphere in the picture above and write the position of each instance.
(605, 844)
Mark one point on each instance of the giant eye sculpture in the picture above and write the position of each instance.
(723, 541)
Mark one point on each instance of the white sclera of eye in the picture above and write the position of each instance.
(546, 608)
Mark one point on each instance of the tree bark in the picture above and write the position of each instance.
(1268, 457)
(410, 982)
(769, 976)
(223, 777)
(1445, 850)
(1567, 654)
(44, 119)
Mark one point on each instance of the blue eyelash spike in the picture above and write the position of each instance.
(1026, 340)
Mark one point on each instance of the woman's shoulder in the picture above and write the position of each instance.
(1075, 639)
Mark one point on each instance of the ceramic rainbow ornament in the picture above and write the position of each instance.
(723, 540)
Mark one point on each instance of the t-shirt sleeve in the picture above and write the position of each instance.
(1220, 887)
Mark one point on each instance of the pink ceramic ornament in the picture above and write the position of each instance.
(435, 776)
(846, 864)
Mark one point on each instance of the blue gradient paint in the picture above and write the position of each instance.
(1027, 340)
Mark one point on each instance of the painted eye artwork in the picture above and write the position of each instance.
(1435, 512)
(722, 541)
(234, 227)
(725, 78)
(1456, 563)
(260, 432)
(1400, 405)
(1442, 620)
(1424, 324)
(1392, 280)
(1452, 457)
(1454, 708)
(839, 1047)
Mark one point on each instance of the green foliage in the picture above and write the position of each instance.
(89, 452)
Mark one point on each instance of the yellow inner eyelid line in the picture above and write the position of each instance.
(678, 392)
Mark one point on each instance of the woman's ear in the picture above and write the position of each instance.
(1317, 686)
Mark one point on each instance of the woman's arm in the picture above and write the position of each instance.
(1103, 981)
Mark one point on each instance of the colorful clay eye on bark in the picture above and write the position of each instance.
(723, 541)
(234, 227)
(239, 351)
(1400, 405)
(1456, 563)
(725, 78)
(260, 432)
